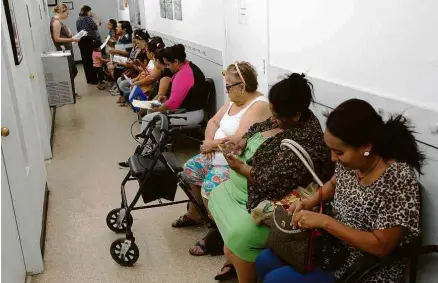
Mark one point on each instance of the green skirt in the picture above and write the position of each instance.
(227, 205)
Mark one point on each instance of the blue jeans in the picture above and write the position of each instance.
(270, 269)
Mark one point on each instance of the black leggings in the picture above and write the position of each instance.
(86, 46)
(100, 73)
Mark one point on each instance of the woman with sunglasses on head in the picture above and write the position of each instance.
(375, 194)
(261, 170)
(205, 171)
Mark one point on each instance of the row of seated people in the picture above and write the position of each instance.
(368, 166)
(155, 72)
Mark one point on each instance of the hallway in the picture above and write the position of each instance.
(84, 180)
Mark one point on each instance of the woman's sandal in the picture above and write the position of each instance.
(230, 274)
(199, 246)
(186, 221)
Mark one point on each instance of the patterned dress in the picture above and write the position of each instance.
(393, 200)
(276, 173)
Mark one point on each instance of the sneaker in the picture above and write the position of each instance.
(123, 165)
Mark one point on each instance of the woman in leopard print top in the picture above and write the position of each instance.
(375, 194)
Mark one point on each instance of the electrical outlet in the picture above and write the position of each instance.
(434, 129)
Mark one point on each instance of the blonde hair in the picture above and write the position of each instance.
(246, 73)
(60, 8)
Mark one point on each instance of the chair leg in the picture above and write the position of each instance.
(413, 270)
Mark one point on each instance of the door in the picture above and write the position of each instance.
(21, 151)
(13, 269)
(246, 36)
(37, 26)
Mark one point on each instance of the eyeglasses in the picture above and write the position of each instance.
(228, 87)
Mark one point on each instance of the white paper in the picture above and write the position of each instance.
(128, 79)
(120, 59)
(243, 18)
(105, 42)
(80, 34)
(146, 104)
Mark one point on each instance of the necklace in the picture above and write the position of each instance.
(360, 178)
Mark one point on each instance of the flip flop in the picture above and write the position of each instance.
(230, 274)
(185, 221)
(202, 247)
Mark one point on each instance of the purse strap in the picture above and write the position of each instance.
(302, 154)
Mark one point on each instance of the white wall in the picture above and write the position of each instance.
(384, 47)
(203, 22)
(123, 14)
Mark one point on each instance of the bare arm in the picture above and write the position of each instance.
(164, 86)
(57, 34)
(328, 192)
(378, 242)
(152, 77)
(213, 123)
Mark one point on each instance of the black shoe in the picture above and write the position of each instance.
(123, 165)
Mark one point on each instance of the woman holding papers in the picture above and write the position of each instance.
(86, 45)
(62, 36)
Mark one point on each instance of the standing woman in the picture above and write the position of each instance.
(62, 36)
(87, 23)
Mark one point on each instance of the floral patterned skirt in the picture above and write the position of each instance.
(200, 172)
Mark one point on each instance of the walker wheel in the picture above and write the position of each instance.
(111, 221)
(124, 252)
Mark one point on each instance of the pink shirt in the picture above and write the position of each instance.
(97, 59)
(182, 82)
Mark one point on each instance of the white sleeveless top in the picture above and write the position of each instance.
(228, 126)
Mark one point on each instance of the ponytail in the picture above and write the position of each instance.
(155, 44)
(398, 142)
(356, 123)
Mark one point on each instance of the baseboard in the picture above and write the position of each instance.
(44, 220)
(52, 132)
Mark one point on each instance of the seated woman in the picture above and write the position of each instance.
(112, 31)
(135, 67)
(149, 74)
(188, 91)
(375, 195)
(204, 172)
(122, 48)
(264, 171)
(245, 107)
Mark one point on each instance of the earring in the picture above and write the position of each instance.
(366, 153)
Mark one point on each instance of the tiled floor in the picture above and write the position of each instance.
(84, 181)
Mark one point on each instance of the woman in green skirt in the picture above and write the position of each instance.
(261, 170)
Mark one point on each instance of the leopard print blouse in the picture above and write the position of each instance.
(393, 200)
(277, 171)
